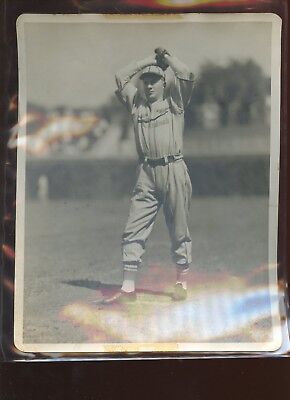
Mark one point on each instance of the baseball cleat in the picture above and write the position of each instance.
(179, 293)
(120, 297)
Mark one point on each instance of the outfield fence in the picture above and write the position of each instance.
(89, 178)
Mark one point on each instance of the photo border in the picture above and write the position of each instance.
(274, 185)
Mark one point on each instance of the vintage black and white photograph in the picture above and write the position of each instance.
(148, 183)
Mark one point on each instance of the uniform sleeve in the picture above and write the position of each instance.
(127, 91)
(127, 95)
(181, 88)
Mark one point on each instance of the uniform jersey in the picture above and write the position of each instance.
(159, 126)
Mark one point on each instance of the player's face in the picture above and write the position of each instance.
(153, 87)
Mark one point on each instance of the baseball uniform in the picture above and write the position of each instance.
(162, 174)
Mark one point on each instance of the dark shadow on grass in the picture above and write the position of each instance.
(104, 288)
(93, 285)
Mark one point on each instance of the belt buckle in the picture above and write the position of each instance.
(166, 161)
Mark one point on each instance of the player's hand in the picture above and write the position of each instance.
(161, 57)
(161, 51)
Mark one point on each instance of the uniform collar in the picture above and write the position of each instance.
(158, 106)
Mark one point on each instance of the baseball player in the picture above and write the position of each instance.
(157, 110)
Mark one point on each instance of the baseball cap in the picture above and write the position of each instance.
(152, 69)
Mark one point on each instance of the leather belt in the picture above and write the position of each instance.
(154, 162)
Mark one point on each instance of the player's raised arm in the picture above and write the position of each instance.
(184, 77)
(126, 89)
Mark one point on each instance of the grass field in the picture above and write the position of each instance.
(72, 254)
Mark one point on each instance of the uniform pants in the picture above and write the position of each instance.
(169, 186)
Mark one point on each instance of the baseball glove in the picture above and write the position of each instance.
(160, 60)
